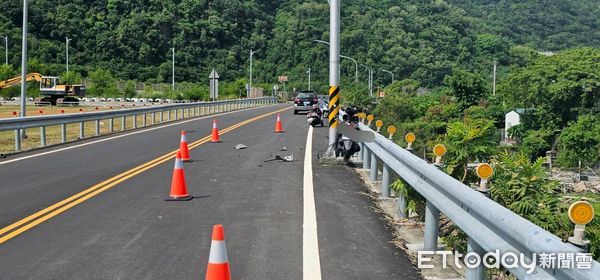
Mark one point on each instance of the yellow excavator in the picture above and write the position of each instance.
(53, 92)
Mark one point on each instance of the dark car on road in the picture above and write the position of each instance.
(304, 101)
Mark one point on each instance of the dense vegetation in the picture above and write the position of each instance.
(441, 52)
(422, 40)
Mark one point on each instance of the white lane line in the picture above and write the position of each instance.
(125, 135)
(311, 264)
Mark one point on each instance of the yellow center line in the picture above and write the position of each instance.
(65, 204)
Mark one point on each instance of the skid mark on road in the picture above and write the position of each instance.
(35, 219)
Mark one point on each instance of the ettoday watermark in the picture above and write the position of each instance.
(496, 259)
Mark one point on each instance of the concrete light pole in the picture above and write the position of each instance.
(173, 69)
(343, 56)
(250, 83)
(355, 67)
(390, 72)
(334, 72)
(370, 79)
(5, 49)
(24, 70)
(308, 72)
(67, 40)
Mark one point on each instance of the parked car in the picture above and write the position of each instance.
(304, 101)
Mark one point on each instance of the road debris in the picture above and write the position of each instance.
(240, 147)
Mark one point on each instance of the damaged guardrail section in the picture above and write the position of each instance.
(489, 225)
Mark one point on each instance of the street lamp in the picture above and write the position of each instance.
(370, 79)
(173, 71)
(24, 68)
(347, 57)
(250, 83)
(355, 67)
(67, 40)
(308, 72)
(390, 72)
(5, 49)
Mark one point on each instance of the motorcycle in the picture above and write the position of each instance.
(345, 146)
(324, 106)
(314, 116)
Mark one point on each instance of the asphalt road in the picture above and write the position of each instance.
(125, 229)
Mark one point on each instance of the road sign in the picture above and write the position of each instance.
(214, 84)
(282, 79)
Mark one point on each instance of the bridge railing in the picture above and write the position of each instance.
(164, 112)
(489, 225)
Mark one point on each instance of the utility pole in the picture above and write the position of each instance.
(334, 72)
(67, 52)
(390, 72)
(308, 72)
(173, 74)
(5, 49)
(250, 83)
(494, 80)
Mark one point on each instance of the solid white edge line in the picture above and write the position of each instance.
(126, 134)
(311, 264)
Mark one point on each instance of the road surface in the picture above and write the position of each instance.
(96, 209)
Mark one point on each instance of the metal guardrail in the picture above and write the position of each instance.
(193, 110)
(488, 225)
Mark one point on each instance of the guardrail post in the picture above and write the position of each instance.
(97, 127)
(373, 173)
(385, 181)
(17, 140)
(366, 158)
(111, 125)
(432, 225)
(144, 116)
(81, 130)
(477, 273)
(401, 202)
(153, 118)
(169, 115)
(361, 152)
(63, 133)
(123, 123)
(134, 122)
(160, 117)
(42, 136)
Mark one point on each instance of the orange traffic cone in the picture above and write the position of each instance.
(218, 264)
(178, 187)
(278, 125)
(183, 147)
(215, 133)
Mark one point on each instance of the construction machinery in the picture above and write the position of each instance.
(52, 91)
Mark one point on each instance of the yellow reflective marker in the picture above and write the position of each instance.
(370, 118)
(391, 130)
(484, 171)
(439, 150)
(379, 124)
(581, 212)
(410, 137)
